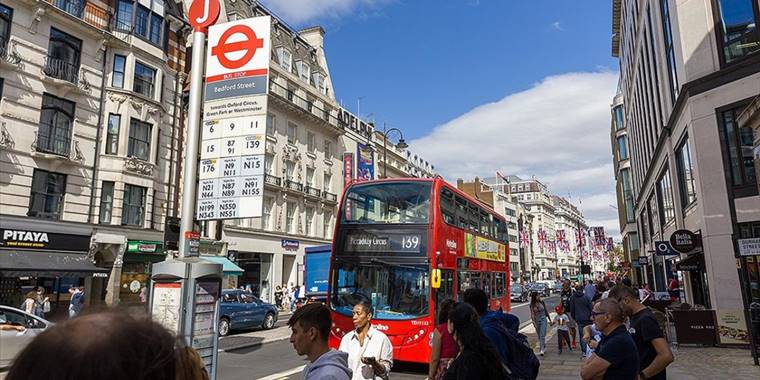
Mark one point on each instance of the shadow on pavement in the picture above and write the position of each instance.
(248, 343)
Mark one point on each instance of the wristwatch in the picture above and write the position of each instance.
(642, 376)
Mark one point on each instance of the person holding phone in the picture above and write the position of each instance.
(370, 354)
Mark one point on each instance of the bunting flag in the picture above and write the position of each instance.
(541, 237)
(599, 236)
(524, 239)
(561, 238)
(580, 237)
(610, 244)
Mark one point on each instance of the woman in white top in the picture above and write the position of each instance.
(370, 354)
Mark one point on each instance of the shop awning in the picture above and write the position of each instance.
(37, 263)
(695, 262)
(228, 267)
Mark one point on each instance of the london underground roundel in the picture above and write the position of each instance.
(238, 49)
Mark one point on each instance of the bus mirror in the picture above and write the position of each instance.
(435, 278)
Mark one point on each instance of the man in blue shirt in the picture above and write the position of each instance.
(616, 357)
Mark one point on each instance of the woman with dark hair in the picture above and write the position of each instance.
(477, 357)
(111, 345)
(540, 317)
(444, 348)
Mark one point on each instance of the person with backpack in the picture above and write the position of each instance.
(477, 358)
(580, 310)
(501, 329)
(540, 317)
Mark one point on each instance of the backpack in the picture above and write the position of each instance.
(522, 362)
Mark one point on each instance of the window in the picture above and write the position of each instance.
(319, 82)
(139, 139)
(685, 174)
(327, 225)
(47, 192)
(56, 124)
(622, 147)
(292, 128)
(112, 135)
(124, 15)
(327, 184)
(311, 142)
(309, 221)
(665, 198)
(669, 50)
(133, 208)
(310, 177)
(627, 195)
(269, 164)
(284, 58)
(290, 168)
(738, 28)
(6, 20)
(304, 72)
(119, 62)
(106, 202)
(150, 24)
(266, 215)
(271, 125)
(328, 150)
(389, 203)
(144, 80)
(290, 213)
(618, 113)
(63, 56)
(738, 145)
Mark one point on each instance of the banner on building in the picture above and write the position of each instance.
(231, 171)
(599, 236)
(541, 238)
(365, 163)
(524, 239)
(348, 168)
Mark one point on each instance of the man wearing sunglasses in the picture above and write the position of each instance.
(616, 357)
(654, 352)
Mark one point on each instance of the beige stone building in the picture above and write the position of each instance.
(89, 134)
(689, 69)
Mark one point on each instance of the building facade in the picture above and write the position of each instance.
(568, 219)
(90, 104)
(688, 71)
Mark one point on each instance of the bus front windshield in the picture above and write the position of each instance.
(397, 292)
(388, 203)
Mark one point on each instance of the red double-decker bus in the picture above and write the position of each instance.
(406, 245)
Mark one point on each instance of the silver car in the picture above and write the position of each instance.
(12, 341)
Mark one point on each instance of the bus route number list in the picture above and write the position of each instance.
(231, 170)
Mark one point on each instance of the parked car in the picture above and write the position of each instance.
(519, 293)
(242, 310)
(541, 288)
(557, 287)
(12, 341)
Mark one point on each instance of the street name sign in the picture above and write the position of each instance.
(231, 170)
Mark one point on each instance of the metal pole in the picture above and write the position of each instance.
(193, 136)
(385, 152)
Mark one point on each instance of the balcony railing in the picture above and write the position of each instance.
(85, 10)
(53, 140)
(307, 106)
(272, 180)
(72, 7)
(293, 185)
(330, 196)
(60, 69)
(312, 191)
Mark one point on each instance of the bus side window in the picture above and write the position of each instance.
(461, 212)
(473, 217)
(448, 207)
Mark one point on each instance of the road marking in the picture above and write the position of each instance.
(284, 374)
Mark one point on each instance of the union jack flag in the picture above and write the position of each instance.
(580, 236)
(599, 236)
(552, 246)
(562, 240)
(524, 239)
(610, 244)
(541, 237)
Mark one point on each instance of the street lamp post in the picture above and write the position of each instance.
(401, 145)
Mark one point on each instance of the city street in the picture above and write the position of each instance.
(278, 360)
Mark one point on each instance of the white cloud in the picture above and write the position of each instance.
(298, 12)
(558, 131)
(556, 26)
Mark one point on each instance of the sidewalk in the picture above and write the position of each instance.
(691, 363)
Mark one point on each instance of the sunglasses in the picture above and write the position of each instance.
(595, 314)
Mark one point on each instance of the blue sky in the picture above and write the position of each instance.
(523, 87)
